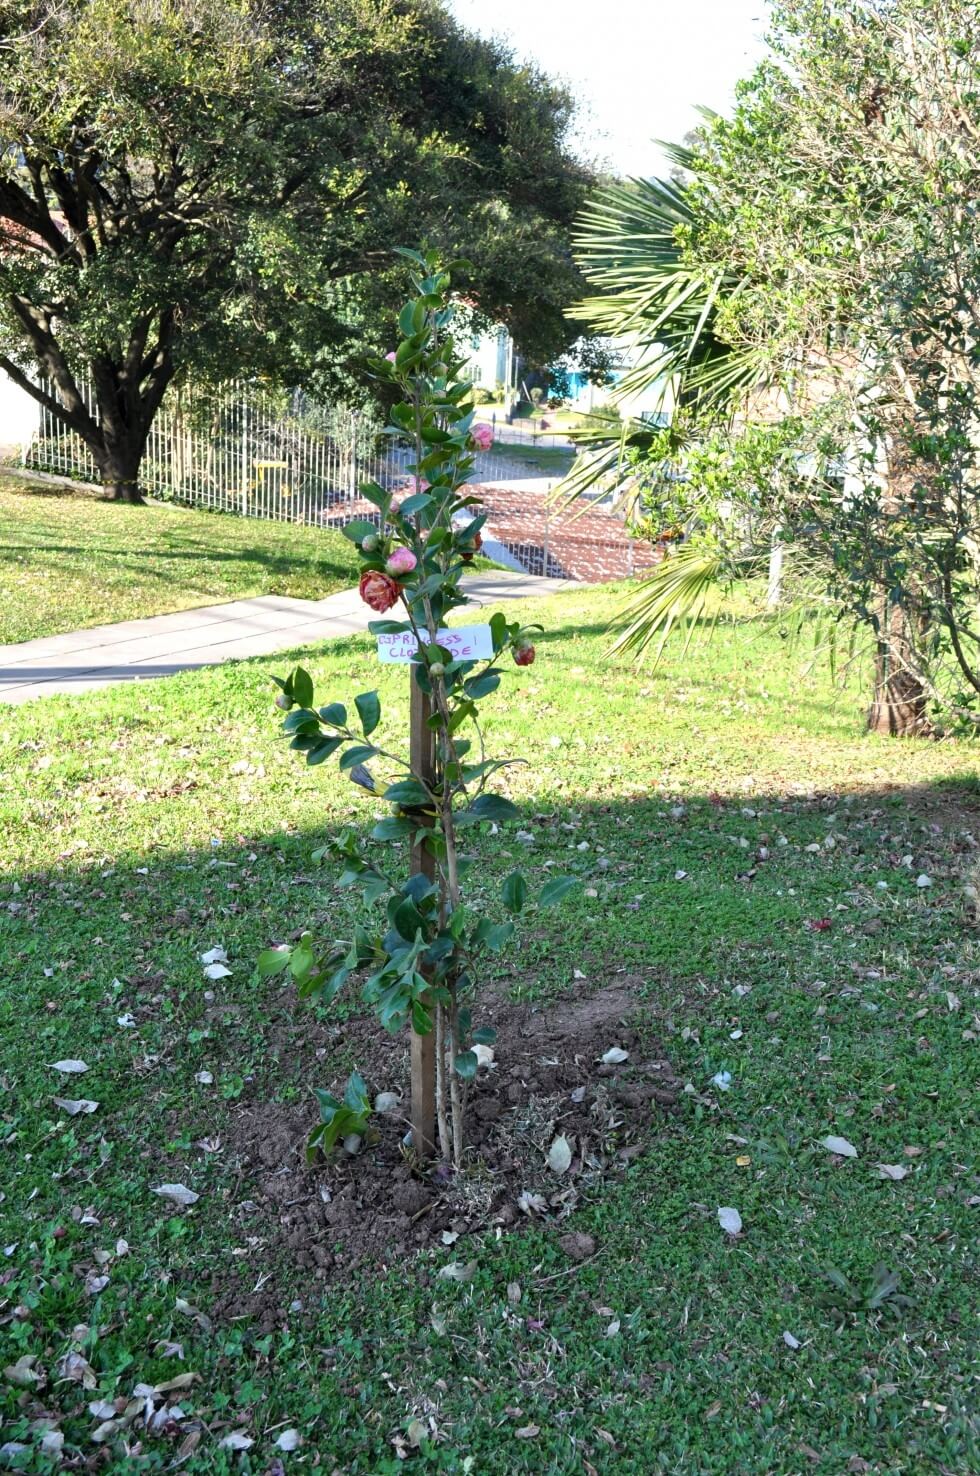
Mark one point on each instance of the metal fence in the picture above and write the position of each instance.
(244, 450)
(263, 453)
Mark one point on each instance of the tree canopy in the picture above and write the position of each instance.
(219, 185)
(827, 246)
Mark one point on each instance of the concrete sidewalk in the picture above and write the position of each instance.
(138, 650)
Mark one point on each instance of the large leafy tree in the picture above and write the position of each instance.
(836, 211)
(217, 186)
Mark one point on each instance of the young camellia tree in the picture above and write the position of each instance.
(421, 963)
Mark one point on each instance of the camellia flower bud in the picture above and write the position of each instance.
(476, 543)
(437, 669)
(401, 561)
(378, 590)
(283, 702)
(370, 543)
(524, 652)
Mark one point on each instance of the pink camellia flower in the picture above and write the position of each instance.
(379, 590)
(401, 561)
(391, 357)
(481, 436)
(524, 651)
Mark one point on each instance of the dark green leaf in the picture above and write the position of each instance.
(369, 711)
(302, 687)
(323, 750)
(335, 713)
(493, 807)
(514, 892)
(465, 1064)
(356, 754)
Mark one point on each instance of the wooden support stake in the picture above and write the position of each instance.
(422, 751)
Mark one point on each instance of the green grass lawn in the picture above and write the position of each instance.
(554, 459)
(68, 560)
(715, 810)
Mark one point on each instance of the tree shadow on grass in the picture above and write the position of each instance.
(822, 995)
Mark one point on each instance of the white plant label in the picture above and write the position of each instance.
(464, 642)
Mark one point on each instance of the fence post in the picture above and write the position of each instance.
(547, 531)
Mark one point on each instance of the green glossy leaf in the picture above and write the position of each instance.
(302, 687)
(272, 961)
(514, 892)
(356, 754)
(335, 713)
(466, 1064)
(407, 792)
(323, 750)
(493, 807)
(358, 530)
(369, 711)
(557, 890)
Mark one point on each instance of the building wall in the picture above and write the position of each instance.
(19, 418)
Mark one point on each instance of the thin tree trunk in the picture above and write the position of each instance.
(898, 707)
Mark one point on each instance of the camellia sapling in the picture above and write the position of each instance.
(421, 961)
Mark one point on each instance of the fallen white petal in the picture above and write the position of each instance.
(790, 1341)
(69, 1067)
(834, 1144)
(74, 1105)
(217, 971)
(892, 1170)
(214, 955)
(289, 1440)
(560, 1155)
(178, 1192)
(615, 1056)
(729, 1219)
(236, 1441)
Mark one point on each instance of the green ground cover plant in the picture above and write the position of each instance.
(782, 897)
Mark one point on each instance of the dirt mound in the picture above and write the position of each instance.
(547, 1080)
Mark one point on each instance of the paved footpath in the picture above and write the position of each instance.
(137, 650)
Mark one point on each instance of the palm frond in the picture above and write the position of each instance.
(628, 244)
(680, 590)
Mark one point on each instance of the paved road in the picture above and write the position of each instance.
(137, 650)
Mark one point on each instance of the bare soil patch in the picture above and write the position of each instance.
(547, 1079)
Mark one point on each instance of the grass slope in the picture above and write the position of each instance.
(142, 825)
(68, 560)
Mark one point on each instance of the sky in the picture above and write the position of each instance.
(638, 67)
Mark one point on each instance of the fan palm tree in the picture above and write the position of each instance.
(629, 243)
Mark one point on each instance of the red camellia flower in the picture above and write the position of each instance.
(524, 652)
(379, 590)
